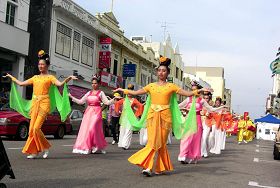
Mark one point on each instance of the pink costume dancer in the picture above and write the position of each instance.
(91, 137)
(190, 148)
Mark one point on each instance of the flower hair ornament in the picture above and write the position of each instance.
(43, 55)
(164, 61)
(96, 77)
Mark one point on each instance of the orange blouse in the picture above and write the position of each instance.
(160, 95)
(41, 84)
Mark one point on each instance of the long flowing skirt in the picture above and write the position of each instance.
(125, 137)
(36, 141)
(190, 148)
(158, 129)
(91, 134)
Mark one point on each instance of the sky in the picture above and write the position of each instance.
(242, 36)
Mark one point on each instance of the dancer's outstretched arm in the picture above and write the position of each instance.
(20, 83)
(191, 93)
(131, 92)
(58, 83)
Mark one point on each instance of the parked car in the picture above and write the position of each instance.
(76, 117)
(276, 150)
(13, 124)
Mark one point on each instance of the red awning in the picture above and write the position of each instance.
(77, 92)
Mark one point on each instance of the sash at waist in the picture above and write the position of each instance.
(158, 107)
(40, 97)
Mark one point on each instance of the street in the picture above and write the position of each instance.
(239, 166)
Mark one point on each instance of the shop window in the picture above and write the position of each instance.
(76, 46)
(63, 40)
(10, 14)
(87, 51)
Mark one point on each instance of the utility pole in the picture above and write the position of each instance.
(165, 25)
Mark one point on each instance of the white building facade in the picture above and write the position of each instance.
(14, 39)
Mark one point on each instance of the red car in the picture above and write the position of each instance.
(14, 124)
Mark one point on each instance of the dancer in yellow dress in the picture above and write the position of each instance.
(159, 121)
(241, 129)
(40, 106)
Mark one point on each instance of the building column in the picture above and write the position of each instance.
(18, 72)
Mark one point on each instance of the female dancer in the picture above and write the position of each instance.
(217, 128)
(125, 133)
(91, 138)
(207, 124)
(158, 121)
(40, 106)
(190, 148)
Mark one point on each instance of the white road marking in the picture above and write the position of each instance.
(67, 145)
(256, 160)
(256, 184)
(257, 145)
(257, 150)
(14, 148)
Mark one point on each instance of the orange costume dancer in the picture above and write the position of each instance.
(158, 121)
(158, 128)
(40, 106)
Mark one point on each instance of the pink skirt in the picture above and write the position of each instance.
(91, 134)
(190, 148)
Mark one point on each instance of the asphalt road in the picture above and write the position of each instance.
(246, 165)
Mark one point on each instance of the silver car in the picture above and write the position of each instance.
(76, 117)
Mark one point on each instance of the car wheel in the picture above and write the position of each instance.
(22, 132)
(60, 132)
(276, 153)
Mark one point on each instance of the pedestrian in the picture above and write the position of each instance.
(113, 119)
(158, 118)
(126, 133)
(91, 138)
(190, 147)
(41, 105)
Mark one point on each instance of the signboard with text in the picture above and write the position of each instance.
(129, 70)
(104, 60)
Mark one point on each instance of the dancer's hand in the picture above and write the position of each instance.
(8, 75)
(73, 77)
(118, 89)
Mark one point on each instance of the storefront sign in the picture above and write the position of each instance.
(104, 60)
(129, 70)
(110, 80)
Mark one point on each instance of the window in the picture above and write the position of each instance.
(177, 72)
(182, 73)
(143, 79)
(87, 51)
(115, 70)
(10, 14)
(125, 61)
(267, 131)
(76, 46)
(63, 40)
